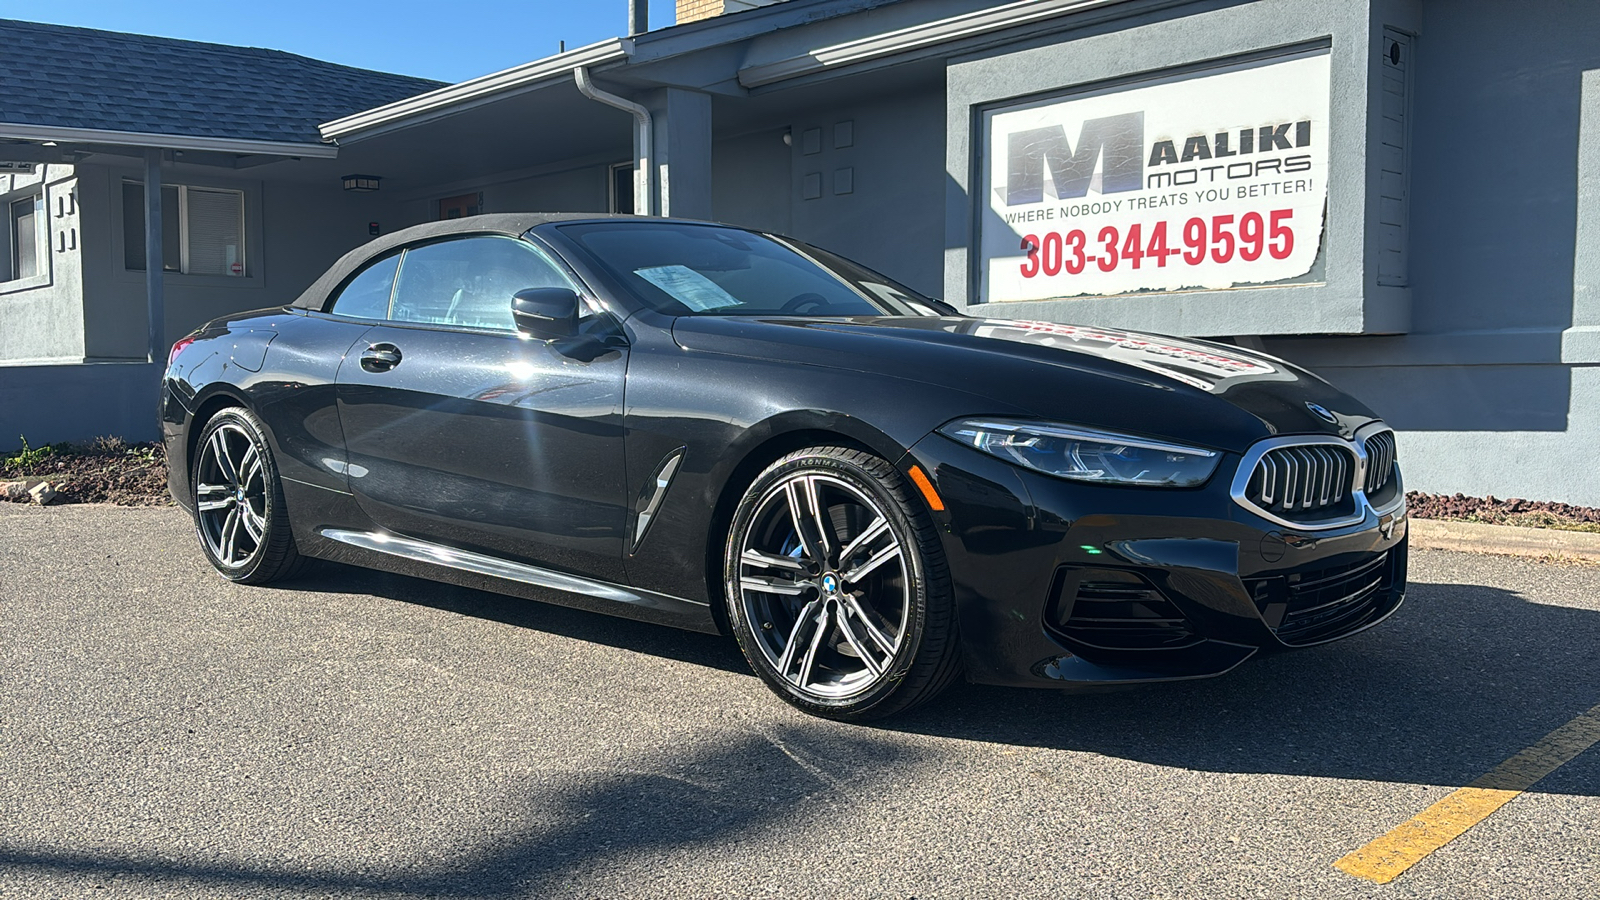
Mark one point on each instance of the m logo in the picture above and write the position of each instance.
(1116, 143)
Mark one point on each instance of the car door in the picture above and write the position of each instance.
(463, 432)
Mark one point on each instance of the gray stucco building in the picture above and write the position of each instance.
(1402, 195)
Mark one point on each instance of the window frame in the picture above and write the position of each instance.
(41, 240)
(183, 229)
(338, 291)
(590, 305)
(612, 194)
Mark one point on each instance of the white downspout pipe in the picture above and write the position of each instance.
(644, 141)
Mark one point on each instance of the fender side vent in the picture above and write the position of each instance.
(655, 490)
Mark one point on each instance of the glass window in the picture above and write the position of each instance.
(712, 270)
(469, 282)
(202, 229)
(366, 296)
(25, 220)
(214, 226)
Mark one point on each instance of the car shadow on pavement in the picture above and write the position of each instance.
(710, 798)
(690, 647)
(1457, 681)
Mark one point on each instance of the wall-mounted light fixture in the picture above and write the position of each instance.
(363, 183)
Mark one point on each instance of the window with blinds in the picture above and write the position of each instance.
(202, 229)
(24, 222)
(214, 224)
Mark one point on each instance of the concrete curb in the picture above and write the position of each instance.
(1509, 540)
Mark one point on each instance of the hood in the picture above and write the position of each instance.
(1187, 390)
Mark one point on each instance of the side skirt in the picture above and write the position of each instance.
(423, 559)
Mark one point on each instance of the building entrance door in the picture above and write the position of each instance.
(464, 205)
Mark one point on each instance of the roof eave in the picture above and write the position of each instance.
(62, 134)
(955, 28)
(455, 98)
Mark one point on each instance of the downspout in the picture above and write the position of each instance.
(154, 258)
(644, 140)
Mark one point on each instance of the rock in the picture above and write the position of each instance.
(16, 491)
(42, 493)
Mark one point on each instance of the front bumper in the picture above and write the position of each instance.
(1067, 583)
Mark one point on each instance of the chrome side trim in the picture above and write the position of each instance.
(1357, 479)
(655, 492)
(494, 567)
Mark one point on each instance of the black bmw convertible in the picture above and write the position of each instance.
(726, 431)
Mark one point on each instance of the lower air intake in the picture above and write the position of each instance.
(1116, 610)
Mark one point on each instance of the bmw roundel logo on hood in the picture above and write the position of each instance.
(1322, 413)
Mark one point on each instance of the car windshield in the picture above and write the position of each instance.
(709, 270)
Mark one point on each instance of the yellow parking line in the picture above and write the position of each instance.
(1405, 846)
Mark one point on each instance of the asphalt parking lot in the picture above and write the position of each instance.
(166, 734)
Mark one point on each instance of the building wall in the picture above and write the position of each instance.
(1489, 367)
(293, 232)
(573, 186)
(868, 183)
(1496, 388)
(695, 10)
(79, 402)
(41, 318)
(751, 182)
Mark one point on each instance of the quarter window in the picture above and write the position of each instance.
(366, 296)
(469, 282)
(202, 229)
(25, 244)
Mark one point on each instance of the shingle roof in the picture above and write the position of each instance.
(84, 78)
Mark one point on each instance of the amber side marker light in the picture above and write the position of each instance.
(926, 487)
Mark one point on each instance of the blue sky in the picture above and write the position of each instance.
(450, 41)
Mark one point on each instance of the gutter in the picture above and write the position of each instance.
(163, 141)
(644, 140)
(451, 99)
(955, 28)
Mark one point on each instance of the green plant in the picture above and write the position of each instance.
(144, 453)
(28, 457)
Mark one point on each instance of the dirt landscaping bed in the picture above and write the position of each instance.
(1492, 511)
(106, 471)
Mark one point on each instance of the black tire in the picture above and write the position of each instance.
(880, 637)
(247, 521)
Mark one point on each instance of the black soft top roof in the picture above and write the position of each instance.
(513, 224)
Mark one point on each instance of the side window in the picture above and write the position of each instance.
(468, 282)
(367, 295)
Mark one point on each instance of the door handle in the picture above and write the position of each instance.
(380, 357)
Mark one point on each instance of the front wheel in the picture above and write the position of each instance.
(239, 510)
(837, 588)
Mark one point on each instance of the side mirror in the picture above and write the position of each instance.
(546, 314)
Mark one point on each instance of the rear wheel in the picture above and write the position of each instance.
(837, 588)
(240, 516)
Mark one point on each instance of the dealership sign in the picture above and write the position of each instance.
(1207, 182)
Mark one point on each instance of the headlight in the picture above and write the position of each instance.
(1083, 454)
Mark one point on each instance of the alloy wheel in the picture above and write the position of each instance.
(823, 580)
(230, 495)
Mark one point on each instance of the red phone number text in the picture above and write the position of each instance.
(1218, 239)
